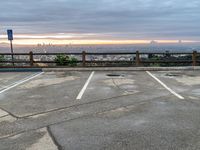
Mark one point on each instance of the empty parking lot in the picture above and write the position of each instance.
(82, 110)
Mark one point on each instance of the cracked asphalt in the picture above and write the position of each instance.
(127, 111)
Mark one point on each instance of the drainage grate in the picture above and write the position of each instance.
(173, 75)
(114, 75)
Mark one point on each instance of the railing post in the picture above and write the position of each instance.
(137, 60)
(31, 58)
(83, 58)
(194, 58)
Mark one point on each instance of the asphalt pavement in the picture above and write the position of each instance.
(100, 110)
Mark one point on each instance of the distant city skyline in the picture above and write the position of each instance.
(100, 22)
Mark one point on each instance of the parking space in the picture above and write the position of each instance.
(187, 83)
(105, 85)
(43, 93)
(54, 90)
(101, 110)
(7, 79)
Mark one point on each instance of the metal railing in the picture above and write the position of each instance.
(136, 59)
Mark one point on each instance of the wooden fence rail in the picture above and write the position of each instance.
(137, 61)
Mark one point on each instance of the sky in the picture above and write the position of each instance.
(100, 21)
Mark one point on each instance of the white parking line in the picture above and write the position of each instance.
(165, 86)
(21, 82)
(85, 86)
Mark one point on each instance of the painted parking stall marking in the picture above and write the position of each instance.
(85, 86)
(21, 82)
(165, 86)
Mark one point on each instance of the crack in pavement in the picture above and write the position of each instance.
(4, 116)
(54, 139)
(76, 105)
(11, 114)
(83, 116)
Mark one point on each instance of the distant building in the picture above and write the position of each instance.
(153, 42)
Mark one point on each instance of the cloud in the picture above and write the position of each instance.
(127, 19)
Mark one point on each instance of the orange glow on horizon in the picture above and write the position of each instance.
(88, 42)
(79, 42)
(77, 39)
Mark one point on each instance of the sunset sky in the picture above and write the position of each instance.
(100, 21)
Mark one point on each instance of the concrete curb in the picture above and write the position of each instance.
(121, 69)
(20, 69)
(99, 69)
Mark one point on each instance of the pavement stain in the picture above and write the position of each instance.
(7, 78)
(159, 115)
(44, 143)
(118, 81)
(32, 140)
(122, 111)
(186, 80)
(6, 119)
(47, 82)
(3, 113)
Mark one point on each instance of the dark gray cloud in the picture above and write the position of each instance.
(120, 19)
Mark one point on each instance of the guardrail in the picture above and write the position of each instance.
(136, 59)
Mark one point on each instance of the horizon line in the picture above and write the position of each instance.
(32, 42)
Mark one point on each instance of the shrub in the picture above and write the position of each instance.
(2, 58)
(73, 61)
(64, 60)
(61, 60)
